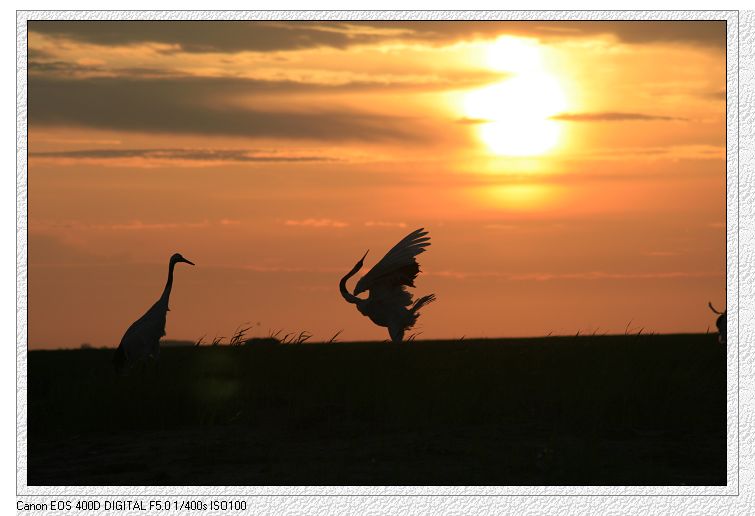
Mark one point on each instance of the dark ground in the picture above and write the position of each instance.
(623, 410)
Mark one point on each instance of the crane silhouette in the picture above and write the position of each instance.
(142, 338)
(389, 303)
(720, 323)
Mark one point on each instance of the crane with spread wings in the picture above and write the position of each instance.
(389, 303)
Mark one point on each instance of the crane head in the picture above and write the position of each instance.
(177, 258)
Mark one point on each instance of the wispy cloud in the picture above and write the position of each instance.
(614, 116)
(78, 141)
(673, 152)
(132, 225)
(68, 69)
(472, 121)
(61, 67)
(697, 33)
(317, 223)
(506, 227)
(715, 95)
(287, 269)
(264, 80)
(208, 155)
(207, 36)
(600, 275)
(384, 224)
(48, 249)
(591, 275)
(141, 226)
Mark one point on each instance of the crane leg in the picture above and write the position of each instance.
(397, 334)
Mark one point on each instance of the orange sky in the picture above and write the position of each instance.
(571, 174)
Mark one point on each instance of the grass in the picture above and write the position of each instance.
(580, 410)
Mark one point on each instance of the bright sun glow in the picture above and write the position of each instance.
(514, 55)
(515, 113)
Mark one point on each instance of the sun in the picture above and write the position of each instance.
(514, 115)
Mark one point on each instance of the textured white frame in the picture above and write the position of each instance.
(398, 499)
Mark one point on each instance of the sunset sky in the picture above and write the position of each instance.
(571, 174)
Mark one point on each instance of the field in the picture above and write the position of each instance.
(586, 410)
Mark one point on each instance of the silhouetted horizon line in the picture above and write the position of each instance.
(181, 343)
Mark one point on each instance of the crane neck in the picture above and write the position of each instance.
(348, 296)
(168, 285)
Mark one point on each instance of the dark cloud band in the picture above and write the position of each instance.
(262, 36)
(201, 36)
(197, 106)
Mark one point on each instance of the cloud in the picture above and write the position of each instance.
(207, 36)
(47, 249)
(591, 275)
(36, 53)
(699, 33)
(197, 106)
(133, 225)
(61, 67)
(283, 81)
(264, 36)
(660, 254)
(614, 116)
(673, 152)
(317, 223)
(600, 275)
(472, 121)
(714, 95)
(284, 269)
(599, 116)
(703, 33)
(55, 67)
(210, 155)
(78, 141)
(383, 224)
(138, 225)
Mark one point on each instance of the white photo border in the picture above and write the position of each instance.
(737, 355)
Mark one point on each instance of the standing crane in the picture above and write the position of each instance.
(389, 303)
(142, 339)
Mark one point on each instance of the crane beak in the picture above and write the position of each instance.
(187, 261)
(363, 257)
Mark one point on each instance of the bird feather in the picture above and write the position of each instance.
(398, 267)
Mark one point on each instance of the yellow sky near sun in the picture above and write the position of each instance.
(570, 178)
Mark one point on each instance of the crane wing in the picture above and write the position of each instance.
(399, 266)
